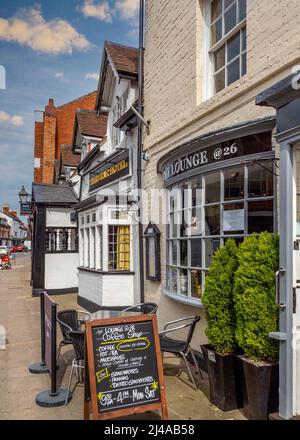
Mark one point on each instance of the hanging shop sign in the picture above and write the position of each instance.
(110, 171)
(240, 147)
(125, 367)
(25, 208)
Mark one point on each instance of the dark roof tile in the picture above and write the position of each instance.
(91, 124)
(52, 194)
(124, 58)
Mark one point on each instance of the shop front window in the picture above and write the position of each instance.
(119, 248)
(231, 203)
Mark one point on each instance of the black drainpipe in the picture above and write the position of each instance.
(140, 145)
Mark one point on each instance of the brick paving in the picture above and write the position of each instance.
(19, 314)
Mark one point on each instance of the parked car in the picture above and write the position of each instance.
(20, 248)
(4, 250)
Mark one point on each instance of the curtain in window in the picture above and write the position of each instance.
(123, 248)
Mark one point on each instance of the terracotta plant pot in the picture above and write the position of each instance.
(260, 388)
(224, 381)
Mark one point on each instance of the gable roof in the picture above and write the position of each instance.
(123, 58)
(53, 194)
(92, 124)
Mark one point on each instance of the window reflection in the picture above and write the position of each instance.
(234, 184)
(183, 277)
(196, 284)
(212, 220)
(196, 252)
(261, 180)
(211, 245)
(212, 188)
(260, 216)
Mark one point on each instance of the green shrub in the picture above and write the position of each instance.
(218, 298)
(254, 297)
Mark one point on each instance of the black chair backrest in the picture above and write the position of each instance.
(149, 308)
(77, 338)
(70, 318)
(191, 330)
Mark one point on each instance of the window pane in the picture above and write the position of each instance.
(219, 58)
(242, 9)
(172, 280)
(234, 184)
(196, 284)
(119, 248)
(260, 216)
(220, 81)
(216, 31)
(186, 221)
(183, 276)
(233, 47)
(230, 18)
(233, 71)
(244, 64)
(212, 220)
(196, 227)
(197, 191)
(196, 252)
(244, 39)
(183, 253)
(260, 180)
(173, 252)
(212, 188)
(216, 9)
(234, 219)
(227, 3)
(211, 245)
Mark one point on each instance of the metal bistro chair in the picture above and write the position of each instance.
(77, 338)
(179, 347)
(146, 308)
(69, 320)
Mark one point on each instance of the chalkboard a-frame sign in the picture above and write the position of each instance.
(125, 367)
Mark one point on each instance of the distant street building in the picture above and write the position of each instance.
(18, 231)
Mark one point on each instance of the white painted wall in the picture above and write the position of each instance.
(61, 271)
(107, 290)
(59, 218)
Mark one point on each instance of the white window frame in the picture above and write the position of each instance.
(209, 50)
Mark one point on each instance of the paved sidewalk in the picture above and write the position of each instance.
(19, 314)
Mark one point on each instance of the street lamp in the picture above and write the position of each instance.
(23, 195)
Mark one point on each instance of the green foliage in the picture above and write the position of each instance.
(254, 297)
(218, 298)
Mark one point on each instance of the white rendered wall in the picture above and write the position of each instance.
(61, 271)
(107, 290)
(59, 218)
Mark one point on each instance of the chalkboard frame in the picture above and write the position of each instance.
(90, 364)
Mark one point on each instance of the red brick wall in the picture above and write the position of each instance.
(66, 118)
(38, 149)
(49, 148)
(56, 130)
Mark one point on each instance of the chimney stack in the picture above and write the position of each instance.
(14, 213)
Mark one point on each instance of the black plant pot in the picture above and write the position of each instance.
(225, 388)
(260, 388)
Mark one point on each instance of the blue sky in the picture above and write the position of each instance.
(49, 49)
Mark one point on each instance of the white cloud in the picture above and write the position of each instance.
(101, 10)
(29, 28)
(93, 75)
(127, 8)
(59, 75)
(14, 120)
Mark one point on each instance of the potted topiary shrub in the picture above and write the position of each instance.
(225, 390)
(257, 315)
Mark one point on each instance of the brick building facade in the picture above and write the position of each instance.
(53, 128)
(186, 109)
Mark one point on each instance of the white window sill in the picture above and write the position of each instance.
(183, 299)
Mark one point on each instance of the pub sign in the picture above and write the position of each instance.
(111, 170)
